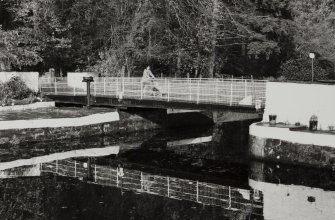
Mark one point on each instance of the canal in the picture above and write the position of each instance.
(198, 173)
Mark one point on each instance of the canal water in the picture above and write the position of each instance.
(198, 173)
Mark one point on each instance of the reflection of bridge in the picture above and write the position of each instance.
(175, 93)
(242, 200)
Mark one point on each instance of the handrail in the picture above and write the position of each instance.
(219, 91)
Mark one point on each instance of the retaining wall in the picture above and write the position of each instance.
(297, 102)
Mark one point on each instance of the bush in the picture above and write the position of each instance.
(301, 70)
(16, 89)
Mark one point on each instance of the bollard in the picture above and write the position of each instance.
(88, 81)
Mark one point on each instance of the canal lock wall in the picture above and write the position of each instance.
(285, 142)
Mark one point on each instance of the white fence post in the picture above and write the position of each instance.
(217, 91)
(104, 85)
(55, 86)
(117, 177)
(197, 191)
(75, 168)
(117, 86)
(74, 91)
(168, 95)
(141, 89)
(95, 173)
(198, 92)
(56, 166)
(231, 93)
(190, 88)
(245, 88)
(95, 88)
(141, 181)
(229, 190)
(168, 183)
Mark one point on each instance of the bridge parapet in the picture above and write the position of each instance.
(229, 92)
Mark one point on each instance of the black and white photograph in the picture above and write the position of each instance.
(167, 109)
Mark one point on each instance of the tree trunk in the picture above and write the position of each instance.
(179, 60)
(214, 27)
(197, 65)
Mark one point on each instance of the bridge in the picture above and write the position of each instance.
(243, 95)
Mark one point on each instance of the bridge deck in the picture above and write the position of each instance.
(244, 93)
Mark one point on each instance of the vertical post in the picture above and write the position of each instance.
(141, 89)
(190, 88)
(56, 166)
(168, 184)
(75, 168)
(141, 181)
(253, 90)
(198, 92)
(245, 88)
(117, 86)
(55, 86)
(231, 93)
(312, 70)
(197, 191)
(117, 177)
(74, 91)
(104, 85)
(95, 88)
(95, 173)
(168, 95)
(217, 91)
(229, 190)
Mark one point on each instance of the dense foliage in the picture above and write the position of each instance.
(15, 89)
(184, 38)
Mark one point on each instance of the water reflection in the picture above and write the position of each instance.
(226, 197)
(179, 174)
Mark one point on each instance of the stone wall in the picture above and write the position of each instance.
(285, 145)
(30, 78)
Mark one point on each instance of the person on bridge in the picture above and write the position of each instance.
(148, 82)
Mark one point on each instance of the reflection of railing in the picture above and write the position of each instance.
(201, 192)
(231, 92)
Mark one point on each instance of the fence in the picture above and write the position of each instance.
(232, 92)
(247, 201)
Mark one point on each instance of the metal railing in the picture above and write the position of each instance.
(232, 92)
(201, 192)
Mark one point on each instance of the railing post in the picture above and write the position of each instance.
(190, 88)
(141, 89)
(56, 166)
(168, 184)
(231, 93)
(95, 173)
(253, 90)
(74, 91)
(95, 88)
(168, 93)
(75, 168)
(197, 191)
(104, 85)
(141, 181)
(117, 86)
(245, 88)
(229, 190)
(117, 177)
(217, 91)
(55, 86)
(198, 92)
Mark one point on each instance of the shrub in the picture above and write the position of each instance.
(15, 88)
(301, 70)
